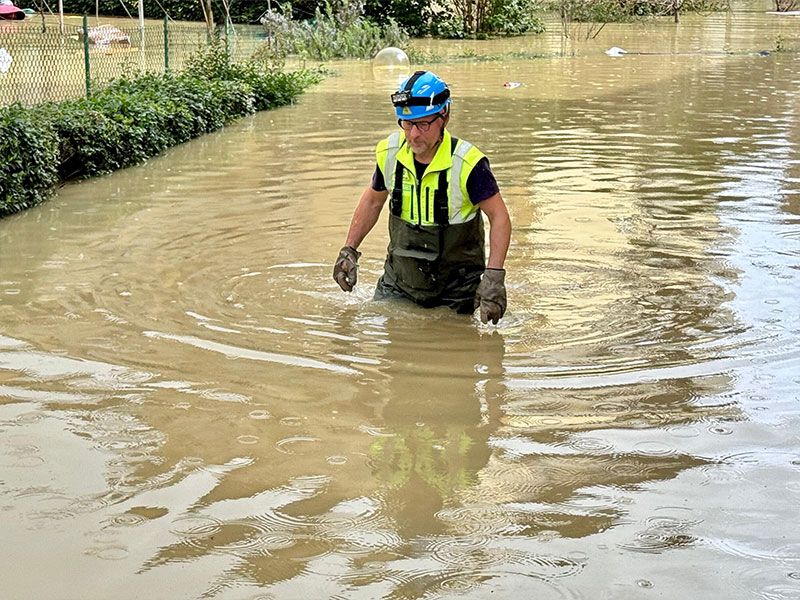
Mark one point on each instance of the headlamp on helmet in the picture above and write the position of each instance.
(421, 95)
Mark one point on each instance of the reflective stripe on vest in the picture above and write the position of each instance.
(456, 196)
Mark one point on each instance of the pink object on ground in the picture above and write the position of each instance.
(11, 13)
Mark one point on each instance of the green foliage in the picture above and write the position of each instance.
(511, 17)
(459, 19)
(594, 11)
(420, 57)
(615, 11)
(449, 26)
(338, 30)
(413, 16)
(131, 120)
(29, 153)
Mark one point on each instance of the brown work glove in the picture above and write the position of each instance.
(491, 295)
(345, 271)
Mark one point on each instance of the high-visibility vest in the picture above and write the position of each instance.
(436, 238)
(441, 197)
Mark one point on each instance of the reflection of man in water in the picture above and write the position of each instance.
(439, 187)
(439, 409)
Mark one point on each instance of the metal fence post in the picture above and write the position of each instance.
(86, 56)
(166, 45)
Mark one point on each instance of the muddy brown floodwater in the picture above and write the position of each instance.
(190, 408)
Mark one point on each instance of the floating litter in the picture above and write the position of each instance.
(616, 51)
(511, 84)
(5, 60)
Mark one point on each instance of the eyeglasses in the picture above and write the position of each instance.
(423, 126)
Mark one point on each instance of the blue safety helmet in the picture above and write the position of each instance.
(420, 95)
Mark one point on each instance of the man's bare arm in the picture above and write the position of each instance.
(365, 216)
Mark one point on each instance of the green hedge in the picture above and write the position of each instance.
(128, 122)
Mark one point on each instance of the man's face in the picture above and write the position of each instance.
(424, 134)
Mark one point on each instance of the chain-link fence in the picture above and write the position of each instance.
(40, 62)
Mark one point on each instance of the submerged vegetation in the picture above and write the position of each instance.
(340, 31)
(132, 120)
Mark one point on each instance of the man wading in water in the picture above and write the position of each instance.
(438, 186)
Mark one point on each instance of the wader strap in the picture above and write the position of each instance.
(396, 202)
(441, 211)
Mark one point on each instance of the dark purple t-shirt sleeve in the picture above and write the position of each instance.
(377, 180)
(481, 183)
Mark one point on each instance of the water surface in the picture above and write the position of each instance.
(189, 407)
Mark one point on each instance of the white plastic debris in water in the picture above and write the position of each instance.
(391, 66)
(616, 51)
(511, 84)
(5, 60)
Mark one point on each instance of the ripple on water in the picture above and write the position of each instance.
(612, 407)
(89, 504)
(654, 448)
(768, 581)
(109, 552)
(765, 551)
(501, 582)
(259, 414)
(656, 541)
(628, 468)
(591, 445)
(476, 552)
(668, 529)
(733, 467)
(514, 481)
(126, 520)
(477, 519)
(195, 526)
(682, 431)
(243, 539)
(375, 431)
(296, 445)
(720, 429)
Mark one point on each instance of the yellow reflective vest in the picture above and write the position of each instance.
(423, 202)
(436, 239)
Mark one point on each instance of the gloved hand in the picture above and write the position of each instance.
(345, 271)
(491, 295)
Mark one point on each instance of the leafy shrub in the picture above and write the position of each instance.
(448, 25)
(612, 11)
(29, 152)
(458, 19)
(414, 16)
(338, 30)
(131, 120)
(511, 17)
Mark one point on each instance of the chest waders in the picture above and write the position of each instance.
(436, 248)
